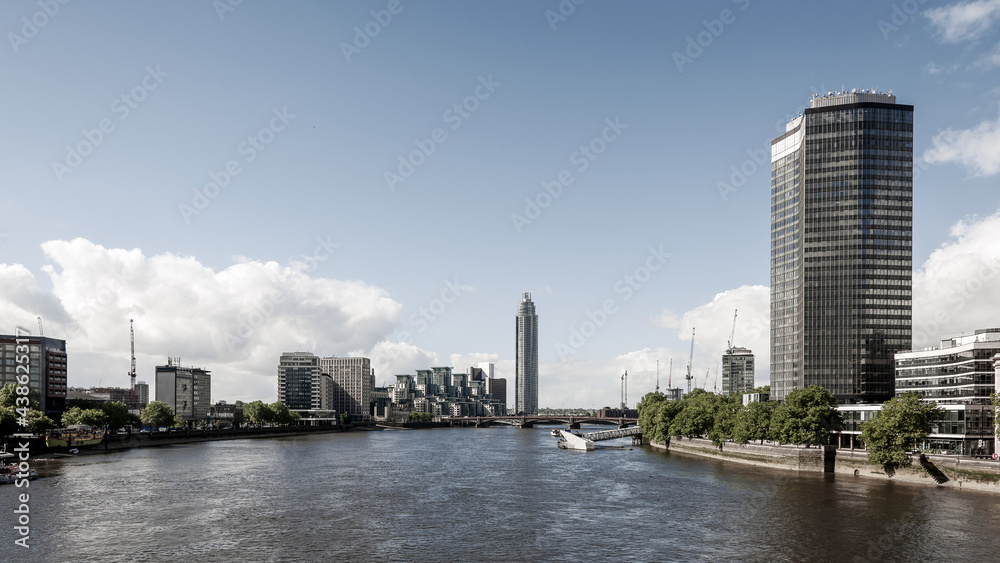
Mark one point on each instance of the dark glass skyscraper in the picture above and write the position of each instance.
(526, 357)
(841, 246)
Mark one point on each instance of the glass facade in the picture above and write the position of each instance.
(841, 247)
(526, 358)
(960, 372)
(737, 371)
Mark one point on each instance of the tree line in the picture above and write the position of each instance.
(116, 415)
(807, 416)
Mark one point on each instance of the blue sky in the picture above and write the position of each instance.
(429, 270)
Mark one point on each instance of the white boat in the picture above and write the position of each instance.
(555, 433)
(571, 441)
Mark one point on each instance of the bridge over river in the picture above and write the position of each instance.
(532, 420)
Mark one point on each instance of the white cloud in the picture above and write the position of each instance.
(958, 287)
(713, 322)
(934, 69)
(977, 149)
(597, 383)
(963, 21)
(235, 322)
(392, 358)
(989, 60)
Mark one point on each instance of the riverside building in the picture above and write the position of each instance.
(737, 371)
(188, 391)
(440, 392)
(841, 246)
(46, 369)
(353, 385)
(526, 357)
(304, 388)
(958, 377)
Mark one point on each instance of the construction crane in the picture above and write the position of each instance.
(733, 333)
(670, 374)
(40, 331)
(689, 377)
(657, 376)
(131, 373)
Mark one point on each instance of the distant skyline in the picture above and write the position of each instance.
(385, 179)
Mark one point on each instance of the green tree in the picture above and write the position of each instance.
(345, 418)
(238, 417)
(39, 423)
(762, 389)
(697, 415)
(996, 412)
(8, 421)
(280, 413)
(8, 397)
(420, 417)
(649, 409)
(116, 415)
(902, 422)
(806, 417)
(179, 422)
(9, 416)
(90, 417)
(727, 410)
(156, 414)
(258, 413)
(754, 422)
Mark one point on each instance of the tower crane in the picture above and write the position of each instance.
(733, 333)
(689, 377)
(670, 374)
(657, 376)
(131, 373)
(40, 331)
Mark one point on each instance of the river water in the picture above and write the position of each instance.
(464, 494)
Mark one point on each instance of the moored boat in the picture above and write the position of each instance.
(77, 435)
(9, 472)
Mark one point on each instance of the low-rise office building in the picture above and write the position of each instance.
(958, 376)
(959, 372)
(187, 390)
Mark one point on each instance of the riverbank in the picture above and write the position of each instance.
(121, 442)
(939, 471)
